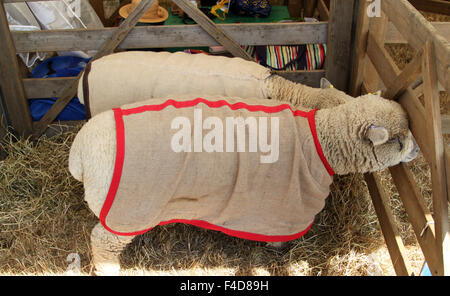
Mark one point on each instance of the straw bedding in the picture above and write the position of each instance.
(43, 219)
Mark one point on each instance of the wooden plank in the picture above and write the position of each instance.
(172, 36)
(388, 71)
(3, 133)
(340, 43)
(405, 78)
(214, 31)
(418, 214)
(11, 86)
(394, 36)
(97, 5)
(324, 13)
(46, 87)
(54, 87)
(310, 7)
(108, 47)
(445, 124)
(295, 8)
(417, 118)
(359, 56)
(310, 78)
(377, 28)
(447, 170)
(437, 166)
(61, 126)
(388, 226)
(436, 6)
(417, 30)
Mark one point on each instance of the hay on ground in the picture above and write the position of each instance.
(44, 219)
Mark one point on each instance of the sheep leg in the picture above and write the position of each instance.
(279, 246)
(106, 248)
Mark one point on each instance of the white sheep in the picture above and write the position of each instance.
(128, 77)
(363, 135)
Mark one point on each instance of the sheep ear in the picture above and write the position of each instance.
(378, 135)
(324, 83)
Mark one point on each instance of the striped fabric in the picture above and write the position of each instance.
(289, 57)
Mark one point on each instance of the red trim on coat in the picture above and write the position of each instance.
(120, 156)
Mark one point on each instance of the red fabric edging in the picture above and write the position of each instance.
(120, 156)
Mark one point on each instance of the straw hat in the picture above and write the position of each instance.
(155, 14)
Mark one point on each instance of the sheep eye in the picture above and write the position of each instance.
(397, 139)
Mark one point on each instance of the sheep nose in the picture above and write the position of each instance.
(414, 151)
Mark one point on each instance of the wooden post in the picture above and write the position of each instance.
(359, 57)
(324, 13)
(378, 28)
(340, 27)
(438, 174)
(295, 8)
(108, 47)
(310, 7)
(97, 5)
(11, 85)
(387, 223)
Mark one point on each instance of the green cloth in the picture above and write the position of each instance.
(277, 14)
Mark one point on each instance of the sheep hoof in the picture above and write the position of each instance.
(107, 269)
(106, 248)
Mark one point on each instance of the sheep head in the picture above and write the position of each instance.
(365, 135)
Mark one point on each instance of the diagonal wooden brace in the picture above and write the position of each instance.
(212, 29)
(108, 47)
(405, 78)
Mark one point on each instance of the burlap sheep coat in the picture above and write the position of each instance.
(233, 192)
(127, 77)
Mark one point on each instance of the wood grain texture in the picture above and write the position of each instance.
(388, 71)
(403, 80)
(310, 78)
(445, 124)
(54, 87)
(339, 44)
(378, 29)
(17, 109)
(417, 30)
(418, 214)
(388, 226)
(436, 6)
(310, 6)
(324, 13)
(437, 165)
(393, 36)
(359, 56)
(172, 36)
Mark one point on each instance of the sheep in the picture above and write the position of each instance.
(363, 135)
(127, 77)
